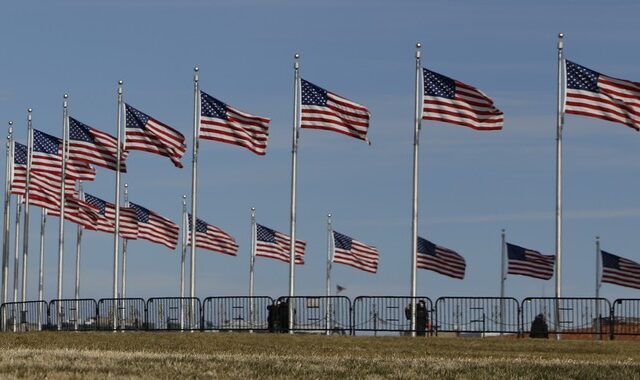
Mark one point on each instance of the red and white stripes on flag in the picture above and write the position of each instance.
(155, 228)
(620, 271)
(276, 245)
(213, 238)
(527, 262)
(451, 101)
(106, 217)
(40, 181)
(93, 146)
(76, 211)
(322, 109)
(150, 135)
(440, 259)
(354, 253)
(223, 123)
(47, 158)
(589, 93)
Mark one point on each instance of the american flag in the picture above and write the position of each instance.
(150, 135)
(275, 245)
(530, 263)
(213, 238)
(620, 271)
(19, 175)
(322, 109)
(47, 157)
(155, 228)
(39, 182)
(106, 217)
(440, 259)
(452, 101)
(221, 122)
(92, 146)
(354, 253)
(76, 211)
(590, 93)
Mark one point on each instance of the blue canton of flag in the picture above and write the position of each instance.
(354, 253)
(440, 259)
(276, 245)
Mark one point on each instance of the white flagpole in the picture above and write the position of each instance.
(560, 122)
(25, 237)
(78, 253)
(329, 260)
(16, 248)
(598, 284)
(65, 152)
(123, 289)
(7, 216)
(252, 262)
(414, 218)
(116, 232)
(43, 222)
(194, 179)
(503, 278)
(183, 256)
(294, 163)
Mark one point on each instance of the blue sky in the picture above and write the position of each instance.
(472, 184)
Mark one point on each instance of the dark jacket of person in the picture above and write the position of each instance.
(539, 327)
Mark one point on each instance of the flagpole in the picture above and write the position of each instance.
(294, 163)
(194, 182)
(329, 259)
(503, 278)
(116, 232)
(252, 262)
(7, 216)
(43, 222)
(414, 217)
(25, 237)
(16, 248)
(78, 253)
(185, 227)
(560, 122)
(598, 284)
(123, 286)
(65, 129)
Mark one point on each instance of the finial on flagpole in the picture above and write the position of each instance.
(253, 209)
(329, 215)
(29, 110)
(296, 64)
(196, 77)
(65, 97)
(418, 46)
(560, 40)
(10, 128)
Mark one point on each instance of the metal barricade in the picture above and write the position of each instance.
(477, 316)
(73, 314)
(173, 313)
(328, 315)
(236, 313)
(130, 313)
(391, 314)
(24, 316)
(568, 315)
(625, 318)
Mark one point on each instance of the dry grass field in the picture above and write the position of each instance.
(234, 355)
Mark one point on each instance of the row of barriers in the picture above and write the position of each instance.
(373, 315)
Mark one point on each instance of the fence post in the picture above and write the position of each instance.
(612, 321)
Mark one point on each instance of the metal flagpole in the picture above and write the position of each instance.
(598, 284)
(7, 216)
(116, 232)
(16, 248)
(503, 278)
(194, 185)
(43, 222)
(294, 163)
(78, 253)
(329, 260)
(414, 217)
(123, 286)
(252, 262)
(65, 151)
(185, 227)
(25, 237)
(560, 122)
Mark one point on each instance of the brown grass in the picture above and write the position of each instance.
(228, 355)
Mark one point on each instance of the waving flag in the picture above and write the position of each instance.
(440, 259)
(92, 146)
(221, 122)
(527, 262)
(620, 271)
(40, 182)
(106, 217)
(590, 93)
(276, 245)
(212, 238)
(155, 228)
(322, 109)
(148, 134)
(47, 157)
(76, 211)
(354, 253)
(452, 101)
